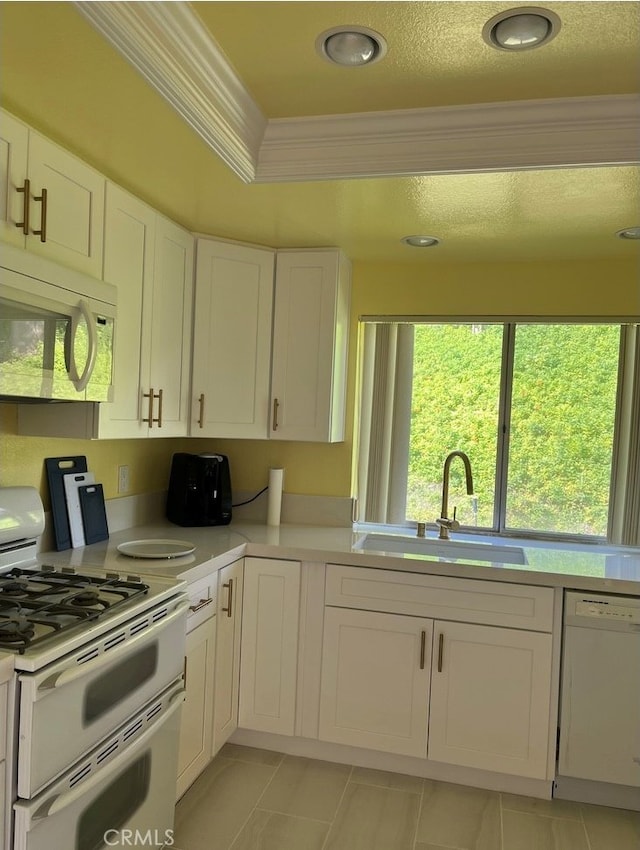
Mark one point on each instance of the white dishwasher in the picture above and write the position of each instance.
(599, 752)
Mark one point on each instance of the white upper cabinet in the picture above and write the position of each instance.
(150, 261)
(128, 264)
(53, 203)
(310, 339)
(167, 333)
(14, 144)
(232, 340)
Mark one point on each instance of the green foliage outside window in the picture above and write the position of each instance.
(561, 430)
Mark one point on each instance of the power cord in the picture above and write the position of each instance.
(252, 499)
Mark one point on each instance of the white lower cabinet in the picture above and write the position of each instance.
(375, 681)
(268, 674)
(481, 691)
(490, 692)
(197, 712)
(227, 663)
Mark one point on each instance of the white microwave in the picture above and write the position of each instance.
(56, 331)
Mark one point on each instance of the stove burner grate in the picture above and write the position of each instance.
(35, 605)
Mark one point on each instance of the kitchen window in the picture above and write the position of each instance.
(548, 413)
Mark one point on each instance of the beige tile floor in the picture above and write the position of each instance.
(250, 799)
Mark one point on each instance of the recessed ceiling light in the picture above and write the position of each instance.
(521, 29)
(421, 241)
(351, 46)
(629, 233)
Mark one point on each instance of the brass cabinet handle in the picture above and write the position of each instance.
(229, 609)
(150, 395)
(440, 651)
(423, 646)
(42, 233)
(202, 604)
(159, 419)
(201, 417)
(276, 405)
(26, 188)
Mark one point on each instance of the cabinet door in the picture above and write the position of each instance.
(310, 346)
(14, 140)
(375, 681)
(232, 341)
(74, 207)
(227, 673)
(197, 712)
(128, 264)
(490, 698)
(270, 614)
(166, 332)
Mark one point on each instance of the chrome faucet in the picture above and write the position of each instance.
(445, 524)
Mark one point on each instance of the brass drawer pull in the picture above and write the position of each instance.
(42, 233)
(423, 646)
(201, 417)
(150, 395)
(202, 604)
(159, 419)
(440, 651)
(26, 188)
(229, 609)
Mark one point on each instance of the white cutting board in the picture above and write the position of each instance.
(72, 481)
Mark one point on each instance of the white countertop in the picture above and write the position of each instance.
(578, 566)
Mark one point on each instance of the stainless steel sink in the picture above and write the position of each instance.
(443, 550)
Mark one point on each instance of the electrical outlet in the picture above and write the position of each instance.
(123, 479)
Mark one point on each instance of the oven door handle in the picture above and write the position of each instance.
(59, 802)
(64, 677)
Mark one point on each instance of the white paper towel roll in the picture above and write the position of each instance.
(274, 506)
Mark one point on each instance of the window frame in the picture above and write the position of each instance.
(623, 525)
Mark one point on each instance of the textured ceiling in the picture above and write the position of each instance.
(60, 75)
(436, 55)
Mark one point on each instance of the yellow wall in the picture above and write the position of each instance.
(533, 289)
(59, 75)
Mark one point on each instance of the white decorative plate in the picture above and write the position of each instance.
(156, 548)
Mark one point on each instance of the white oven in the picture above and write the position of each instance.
(118, 796)
(95, 689)
(99, 686)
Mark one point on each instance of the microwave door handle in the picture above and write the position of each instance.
(64, 677)
(59, 802)
(80, 381)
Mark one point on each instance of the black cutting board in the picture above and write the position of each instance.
(56, 468)
(94, 514)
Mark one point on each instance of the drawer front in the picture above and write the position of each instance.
(517, 606)
(202, 601)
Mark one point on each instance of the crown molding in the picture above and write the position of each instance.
(172, 49)
(168, 44)
(563, 132)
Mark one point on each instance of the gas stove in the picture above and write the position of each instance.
(36, 605)
(49, 610)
